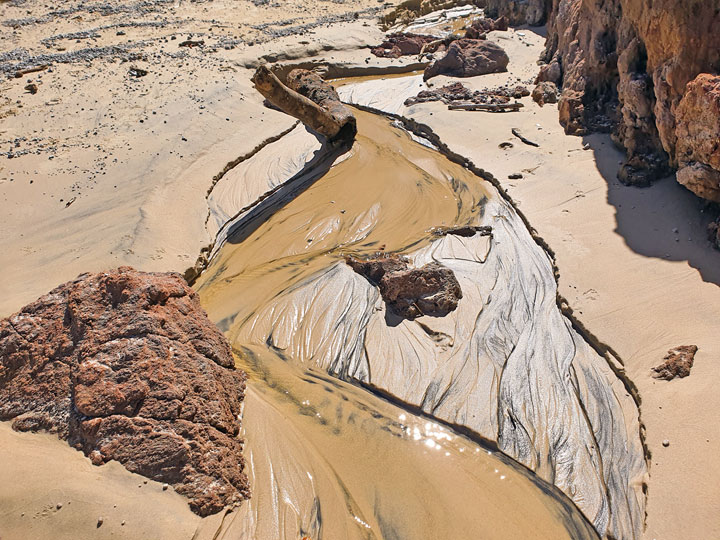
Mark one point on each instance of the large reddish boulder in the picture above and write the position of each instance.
(469, 57)
(125, 365)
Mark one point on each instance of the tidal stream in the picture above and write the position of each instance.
(328, 457)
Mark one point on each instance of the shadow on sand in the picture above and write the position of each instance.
(665, 221)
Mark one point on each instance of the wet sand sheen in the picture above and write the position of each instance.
(326, 458)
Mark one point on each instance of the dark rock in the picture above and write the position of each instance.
(469, 57)
(545, 92)
(481, 26)
(137, 72)
(714, 233)
(126, 366)
(411, 292)
(678, 363)
(644, 71)
(463, 230)
(400, 44)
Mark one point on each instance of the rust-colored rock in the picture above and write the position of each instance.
(482, 25)
(401, 44)
(545, 92)
(678, 363)
(698, 137)
(411, 292)
(469, 57)
(625, 68)
(516, 12)
(126, 366)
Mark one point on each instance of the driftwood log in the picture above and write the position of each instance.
(492, 107)
(309, 99)
(516, 132)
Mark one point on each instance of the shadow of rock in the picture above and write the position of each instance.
(665, 220)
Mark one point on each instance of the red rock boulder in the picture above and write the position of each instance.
(125, 365)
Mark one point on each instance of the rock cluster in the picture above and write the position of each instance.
(469, 57)
(678, 363)
(126, 366)
(482, 25)
(644, 71)
(545, 92)
(431, 289)
(401, 44)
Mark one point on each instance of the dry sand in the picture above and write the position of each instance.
(138, 180)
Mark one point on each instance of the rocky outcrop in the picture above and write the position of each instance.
(482, 25)
(401, 44)
(457, 92)
(469, 57)
(678, 363)
(431, 289)
(627, 66)
(545, 92)
(698, 137)
(533, 12)
(126, 366)
(311, 100)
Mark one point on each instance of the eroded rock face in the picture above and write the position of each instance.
(626, 67)
(469, 57)
(698, 137)
(401, 44)
(431, 289)
(545, 92)
(678, 363)
(126, 365)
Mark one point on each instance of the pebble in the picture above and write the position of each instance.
(666, 443)
(58, 506)
(165, 486)
(99, 521)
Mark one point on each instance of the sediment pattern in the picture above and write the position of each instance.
(505, 364)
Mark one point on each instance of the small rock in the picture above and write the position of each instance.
(515, 176)
(59, 506)
(666, 443)
(586, 146)
(678, 363)
(99, 521)
(165, 487)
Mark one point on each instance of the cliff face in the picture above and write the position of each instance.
(126, 365)
(643, 70)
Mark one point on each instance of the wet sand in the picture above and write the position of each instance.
(325, 447)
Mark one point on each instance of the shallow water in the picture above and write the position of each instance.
(329, 459)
